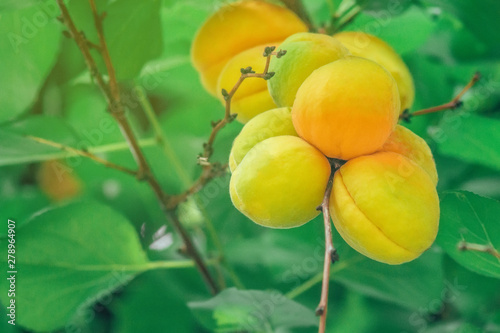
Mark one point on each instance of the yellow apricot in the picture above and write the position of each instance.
(280, 182)
(385, 206)
(305, 52)
(275, 122)
(58, 181)
(252, 96)
(405, 142)
(347, 108)
(234, 28)
(370, 47)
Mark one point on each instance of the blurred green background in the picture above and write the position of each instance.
(46, 91)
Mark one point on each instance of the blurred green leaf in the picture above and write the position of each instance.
(468, 217)
(480, 17)
(454, 327)
(473, 295)
(123, 19)
(21, 205)
(50, 128)
(469, 137)
(29, 42)
(151, 303)
(86, 110)
(396, 26)
(68, 258)
(251, 310)
(412, 285)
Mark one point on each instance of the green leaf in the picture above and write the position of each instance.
(21, 205)
(69, 258)
(397, 27)
(133, 29)
(469, 137)
(473, 295)
(468, 217)
(15, 4)
(18, 149)
(412, 285)
(50, 128)
(454, 327)
(152, 303)
(252, 310)
(86, 111)
(480, 17)
(29, 43)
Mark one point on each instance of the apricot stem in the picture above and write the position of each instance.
(464, 246)
(111, 92)
(212, 170)
(453, 104)
(330, 254)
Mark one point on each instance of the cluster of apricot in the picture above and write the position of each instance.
(332, 98)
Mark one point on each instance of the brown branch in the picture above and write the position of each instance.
(464, 246)
(82, 44)
(451, 105)
(112, 94)
(330, 253)
(83, 153)
(212, 170)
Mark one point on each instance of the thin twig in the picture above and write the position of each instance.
(451, 105)
(112, 94)
(464, 246)
(116, 106)
(186, 180)
(83, 153)
(330, 254)
(212, 170)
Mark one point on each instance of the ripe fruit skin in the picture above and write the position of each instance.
(280, 182)
(305, 52)
(275, 122)
(405, 142)
(235, 28)
(252, 96)
(347, 108)
(370, 47)
(385, 206)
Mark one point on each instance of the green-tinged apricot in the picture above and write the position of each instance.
(405, 142)
(385, 206)
(237, 27)
(275, 122)
(370, 47)
(305, 52)
(347, 108)
(280, 182)
(252, 96)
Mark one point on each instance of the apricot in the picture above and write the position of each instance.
(347, 108)
(385, 206)
(280, 182)
(405, 142)
(58, 181)
(252, 96)
(370, 47)
(305, 52)
(237, 27)
(268, 124)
